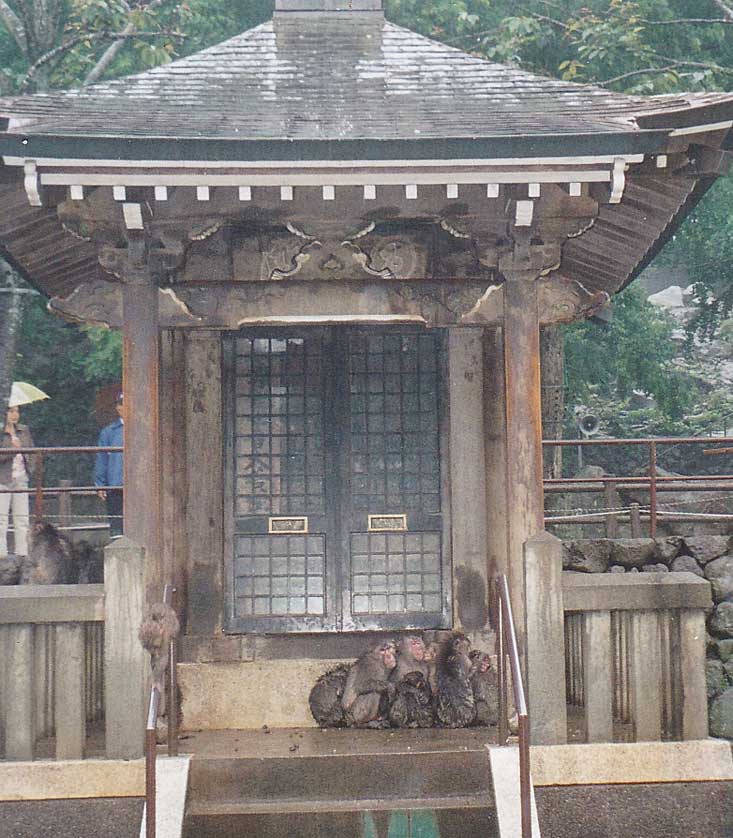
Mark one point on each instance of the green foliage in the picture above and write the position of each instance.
(634, 352)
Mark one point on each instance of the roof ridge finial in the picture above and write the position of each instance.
(328, 5)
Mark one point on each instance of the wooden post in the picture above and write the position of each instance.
(635, 520)
(524, 486)
(495, 451)
(142, 518)
(468, 479)
(645, 675)
(611, 501)
(125, 662)
(692, 670)
(598, 676)
(173, 460)
(69, 691)
(204, 482)
(20, 705)
(545, 649)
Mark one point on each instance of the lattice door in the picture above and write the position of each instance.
(334, 495)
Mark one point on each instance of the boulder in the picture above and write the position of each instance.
(715, 678)
(587, 555)
(616, 568)
(725, 650)
(721, 715)
(719, 572)
(686, 564)
(633, 552)
(655, 568)
(668, 548)
(721, 623)
(9, 570)
(705, 548)
(728, 667)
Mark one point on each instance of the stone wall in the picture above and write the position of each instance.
(707, 556)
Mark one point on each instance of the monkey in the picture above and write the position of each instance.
(485, 689)
(455, 705)
(49, 561)
(366, 683)
(160, 625)
(89, 563)
(325, 697)
(431, 659)
(410, 658)
(412, 705)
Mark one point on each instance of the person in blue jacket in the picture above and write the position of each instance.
(108, 470)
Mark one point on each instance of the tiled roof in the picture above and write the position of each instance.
(335, 77)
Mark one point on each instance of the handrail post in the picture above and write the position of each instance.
(172, 691)
(150, 763)
(524, 777)
(38, 505)
(652, 489)
(503, 728)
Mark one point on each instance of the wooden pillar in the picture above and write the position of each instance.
(524, 491)
(141, 362)
(495, 451)
(204, 482)
(173, 461)
(468, 479)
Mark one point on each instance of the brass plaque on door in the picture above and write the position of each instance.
(297, 523)
(387, 523)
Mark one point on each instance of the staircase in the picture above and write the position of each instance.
(376, 784)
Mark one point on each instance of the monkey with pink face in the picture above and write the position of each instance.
(367, 682)
(412, 705)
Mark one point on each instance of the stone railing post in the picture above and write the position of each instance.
(694, 699)
(545, 661)
(125, 664)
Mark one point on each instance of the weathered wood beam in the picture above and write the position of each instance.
(525, 507)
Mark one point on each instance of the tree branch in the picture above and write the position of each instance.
(14, 26)
(654, 70)
(109, 55)
(685, 20)
(103, 35)
(724, 8)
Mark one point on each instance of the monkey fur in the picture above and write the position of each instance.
(455, 705)
(160, 625)
(413, 704)
(485, 689)
(50, 559)
(325, 697)
(366, 684)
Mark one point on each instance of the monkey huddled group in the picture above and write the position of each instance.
(409, 684)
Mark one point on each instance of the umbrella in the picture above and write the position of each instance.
(23, 393)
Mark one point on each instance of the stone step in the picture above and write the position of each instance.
(397, 818)
(339, 777)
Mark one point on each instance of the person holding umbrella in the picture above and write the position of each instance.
(16, 469)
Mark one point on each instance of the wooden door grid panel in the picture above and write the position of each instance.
(331, 426)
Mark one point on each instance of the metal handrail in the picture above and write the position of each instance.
(506, 646)
(652, 480)
(151, 745)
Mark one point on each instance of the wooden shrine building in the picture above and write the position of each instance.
(331, 244)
